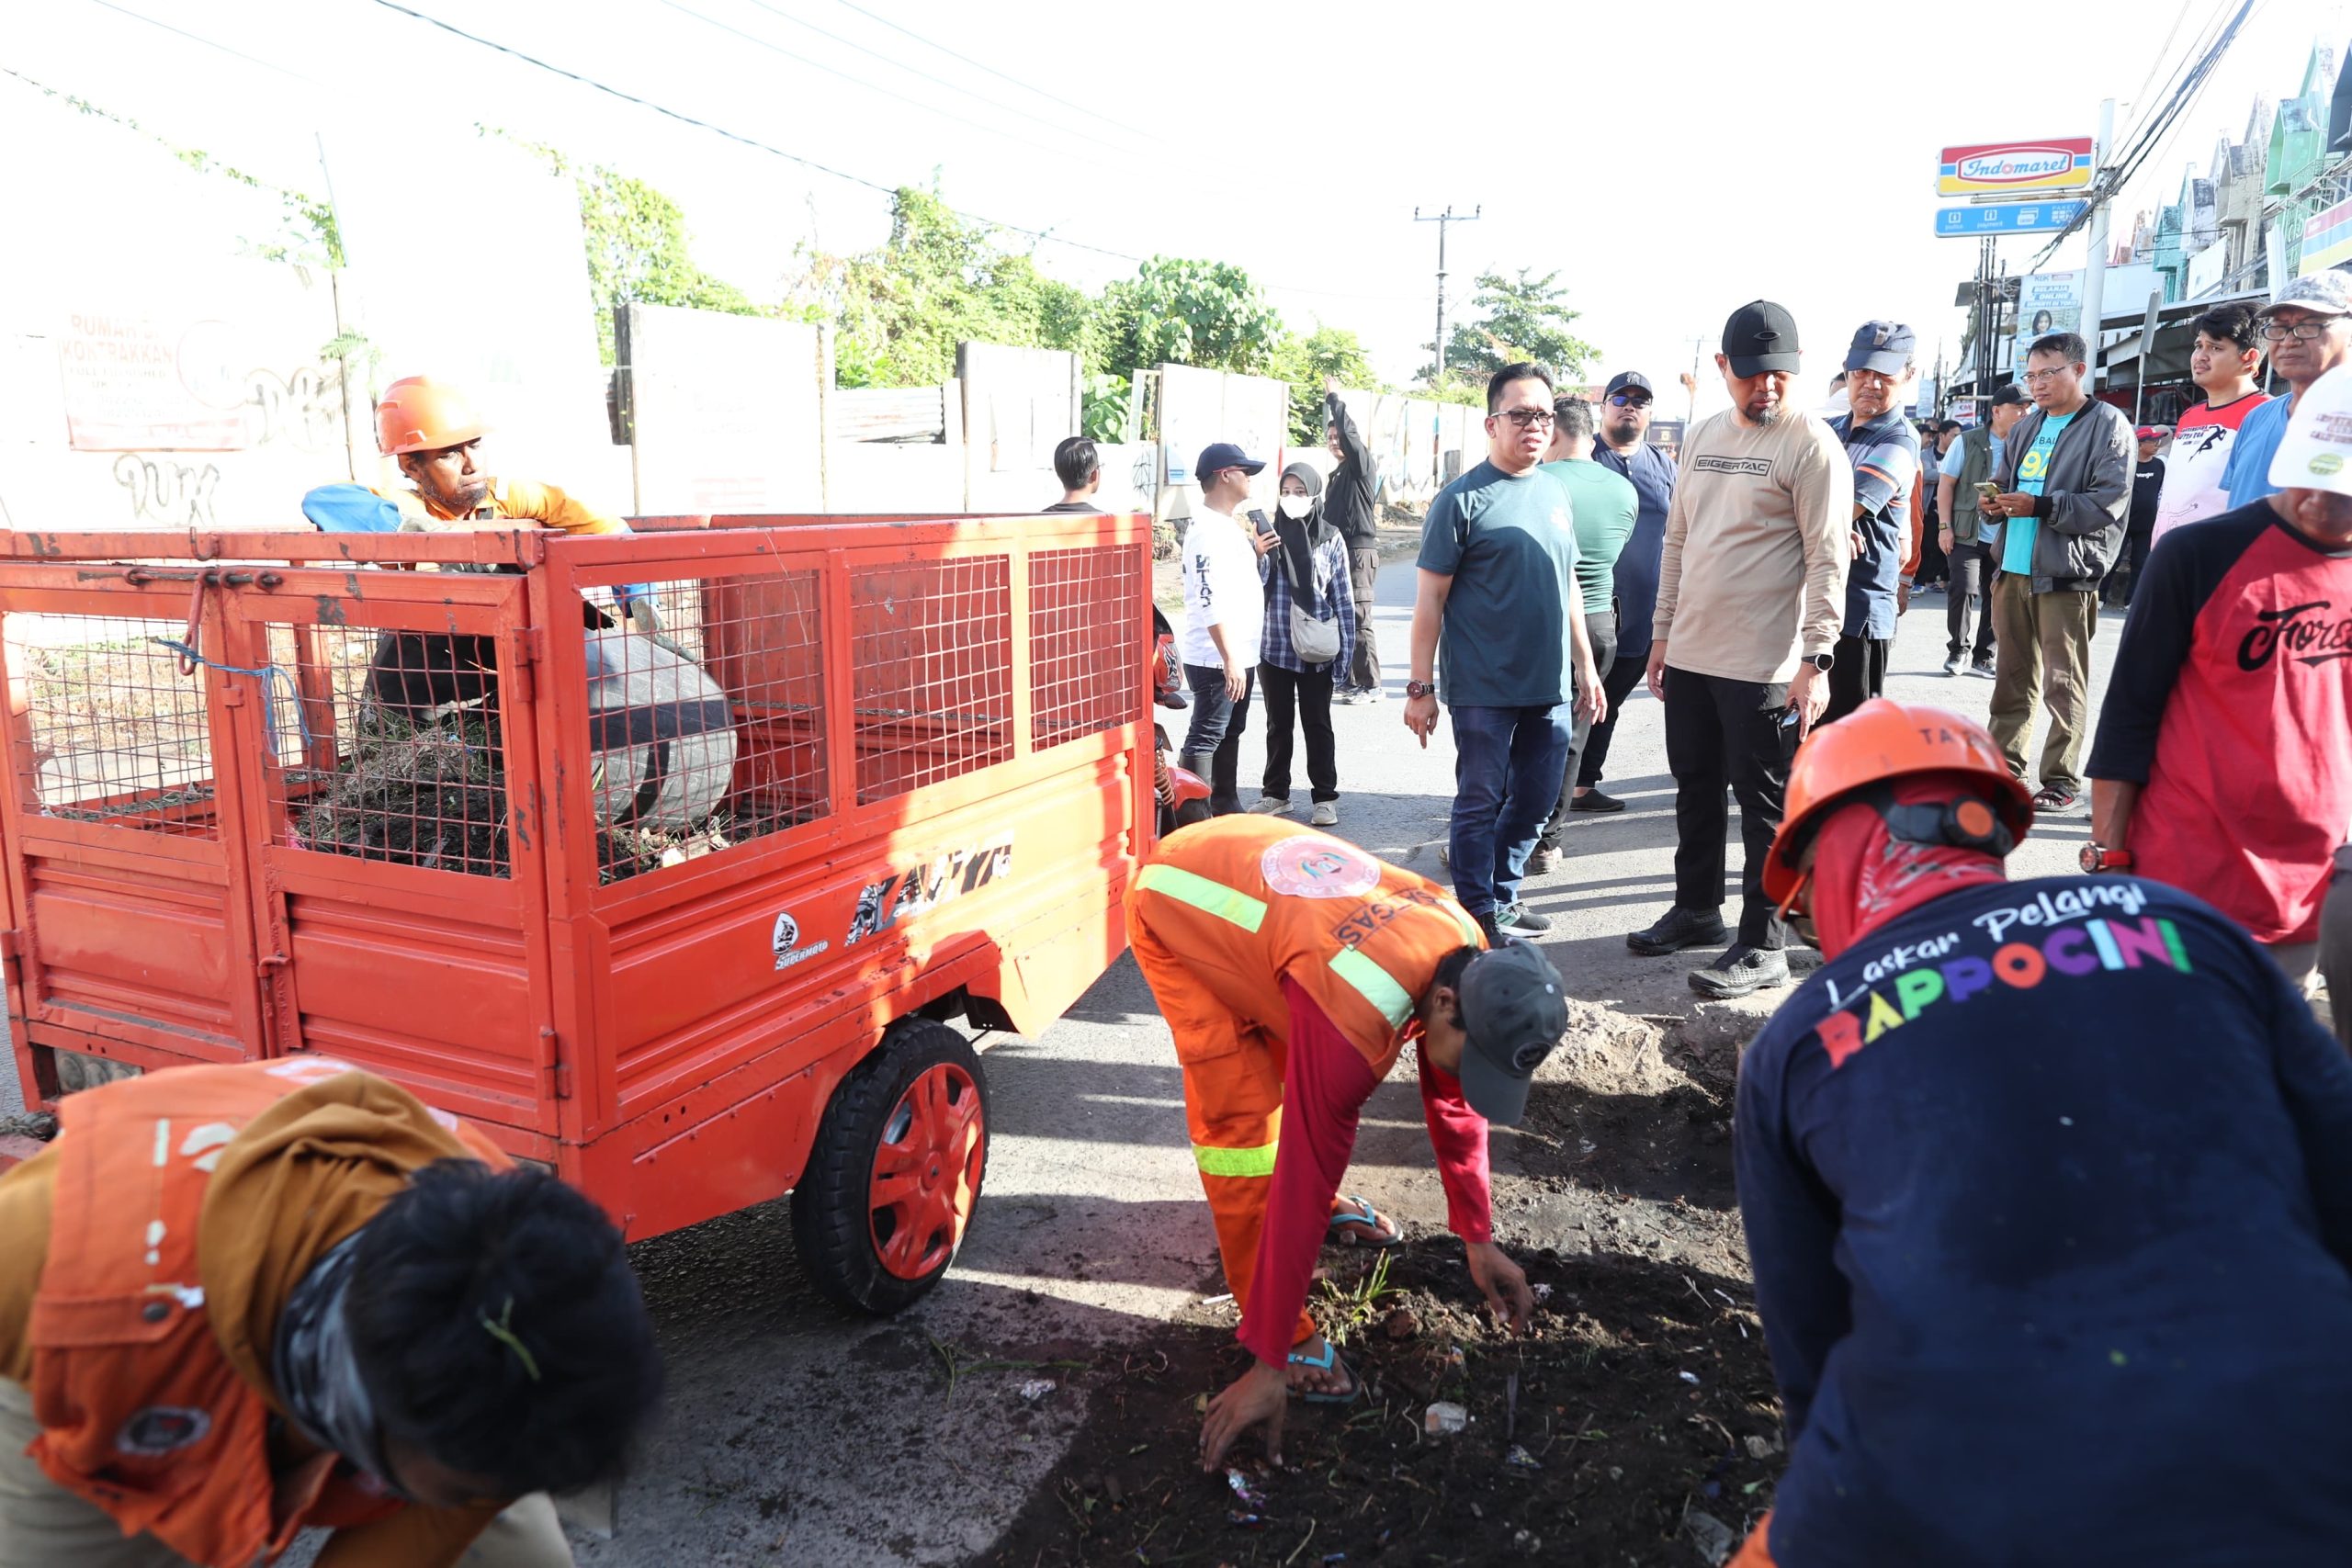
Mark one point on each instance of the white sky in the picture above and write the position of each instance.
(1670, 161)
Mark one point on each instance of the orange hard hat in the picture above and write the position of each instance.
(1877, 743)
(419, 415)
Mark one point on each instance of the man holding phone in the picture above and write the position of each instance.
(1751, 592)
(1963, 494)
(1225, 613)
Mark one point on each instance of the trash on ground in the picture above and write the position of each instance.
(1519, 1459)
(1444, 1418)
(1713, 1539)
(1036, 1389)
(1691, 1378)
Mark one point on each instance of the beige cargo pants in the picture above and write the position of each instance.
(44, 1526)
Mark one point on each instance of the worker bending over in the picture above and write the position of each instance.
(240, 1301)
(1293, 968)
(2048, 1189)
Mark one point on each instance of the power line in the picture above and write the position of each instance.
(1088, 111)
(206, 42)
(1058, 127)
(859, 80)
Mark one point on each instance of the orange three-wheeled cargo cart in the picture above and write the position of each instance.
(679, 913)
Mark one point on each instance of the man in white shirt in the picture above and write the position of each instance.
(1225, 614)
(2226, 364)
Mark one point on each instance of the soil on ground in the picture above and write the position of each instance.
(1637, 1422)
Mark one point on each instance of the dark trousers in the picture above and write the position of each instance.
(1970, 602)
(2335, 946)
(1307, 693)
(1364, 579)
(1934, 566)
(1507, 766)
(2124, 576)
(1858, 675)
(1600, 626)
(1727, 733)
(1218, 724)
(1625, 672)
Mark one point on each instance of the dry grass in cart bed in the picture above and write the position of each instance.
(1635, 1424)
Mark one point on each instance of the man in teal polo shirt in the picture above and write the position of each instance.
(1497, 598)
(1603, 504)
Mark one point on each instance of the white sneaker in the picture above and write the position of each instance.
(1326, 814)
(1270, 806)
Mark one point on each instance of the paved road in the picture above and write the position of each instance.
(796, 1434)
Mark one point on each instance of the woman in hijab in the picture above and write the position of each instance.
(1310, 635)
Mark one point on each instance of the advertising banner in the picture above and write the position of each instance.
(2047, 302)
(2058, 163)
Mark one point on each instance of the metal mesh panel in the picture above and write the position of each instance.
(113, 732)
(1086, 653)
(930, 652)
(390, 746)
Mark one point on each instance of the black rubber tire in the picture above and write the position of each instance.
(1193, 811)
(831, 1224)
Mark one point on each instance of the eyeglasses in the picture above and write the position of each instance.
(2279, 332)
(1626, 400)
(2038, 376)
(1527, 419)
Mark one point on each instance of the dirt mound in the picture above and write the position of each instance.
(1636, 1421)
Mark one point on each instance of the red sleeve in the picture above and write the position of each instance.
(1918, 520)
(1325, 1083)
(1459, 1135)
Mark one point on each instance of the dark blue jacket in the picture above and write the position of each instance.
(2047, 1188)
(1651, 472)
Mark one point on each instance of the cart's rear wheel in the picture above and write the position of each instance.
(895, 1170)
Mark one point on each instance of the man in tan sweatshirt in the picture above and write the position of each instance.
(1749, 598)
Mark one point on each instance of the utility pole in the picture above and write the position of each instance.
(2095, 274)
(1437, 364)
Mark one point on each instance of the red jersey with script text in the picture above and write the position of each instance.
(2232, 705)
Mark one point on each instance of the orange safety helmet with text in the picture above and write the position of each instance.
(419, 415)
(1871, 748)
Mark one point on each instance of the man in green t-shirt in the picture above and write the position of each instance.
(1603, 504)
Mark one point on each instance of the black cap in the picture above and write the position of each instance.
(1514, 1013)
(1759, 337)
(1219, 456)
(1884, 346)
(2012, 393)
(1634, 379)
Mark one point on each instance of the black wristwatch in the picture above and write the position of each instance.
(1821, 661)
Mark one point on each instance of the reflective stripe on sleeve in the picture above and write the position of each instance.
(1471, 935)
(1214, 1161)
(1212, 897)
(1375, 985)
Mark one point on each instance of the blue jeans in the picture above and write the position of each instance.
(1507, 766)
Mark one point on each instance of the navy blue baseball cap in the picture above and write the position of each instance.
(1218, 455)
(1884, 346)
(1632, 379)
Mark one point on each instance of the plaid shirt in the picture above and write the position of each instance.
(1331, 588)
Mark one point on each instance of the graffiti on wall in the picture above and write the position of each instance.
(165, 492)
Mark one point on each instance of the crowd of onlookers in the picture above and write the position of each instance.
(1753, 586)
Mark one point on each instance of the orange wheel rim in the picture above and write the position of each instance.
(927, 1173)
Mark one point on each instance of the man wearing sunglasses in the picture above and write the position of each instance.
(1751, 592)
(2307, 329)
(1498, 607)
(1625, 423)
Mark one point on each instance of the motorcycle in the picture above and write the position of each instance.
(1183, 794)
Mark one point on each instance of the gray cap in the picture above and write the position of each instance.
(1884, 346)
(2322, 294)
(1513, 1012)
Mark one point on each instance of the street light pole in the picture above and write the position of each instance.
(2095, 274)
(1437, 367)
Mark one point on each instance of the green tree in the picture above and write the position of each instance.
(1520, 318)
(1304, 361)
(1180, 311)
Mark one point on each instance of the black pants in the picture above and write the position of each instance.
(1727, 733)
(2124, 578)
(1934, 566)
(1218, 724)
(1858, 675)
(1363, 581)
(1600, 626)
(1309, 695)
(1625, 672)
(1970, 600)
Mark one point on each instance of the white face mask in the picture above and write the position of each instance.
(1298, 506)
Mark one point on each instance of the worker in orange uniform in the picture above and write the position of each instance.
(1293, 968)
(237, 1301)
(434, 432)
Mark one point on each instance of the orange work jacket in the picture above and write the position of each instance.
(523, 500)
(1246, 901)
(142, 1409)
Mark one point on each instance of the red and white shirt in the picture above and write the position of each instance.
(2200, 450)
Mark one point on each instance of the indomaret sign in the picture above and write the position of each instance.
(2059, 162)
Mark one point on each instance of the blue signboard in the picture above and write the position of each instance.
(2006, 218)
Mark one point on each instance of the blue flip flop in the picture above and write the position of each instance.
(1324, 1363)
(1362, 1215)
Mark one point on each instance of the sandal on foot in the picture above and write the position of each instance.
(1362, 1215)
(1324, 1363)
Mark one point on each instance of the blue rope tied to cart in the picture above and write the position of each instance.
(268, 696)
